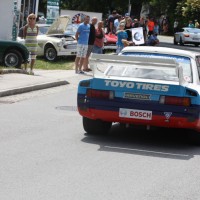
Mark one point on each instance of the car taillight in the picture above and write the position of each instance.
(100, 94)
(178, 101)
(186, 35)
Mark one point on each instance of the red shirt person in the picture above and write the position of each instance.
(150, 25)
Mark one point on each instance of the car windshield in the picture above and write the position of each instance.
(165, 69)
(71, 29)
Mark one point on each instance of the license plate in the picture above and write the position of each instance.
(135, 114)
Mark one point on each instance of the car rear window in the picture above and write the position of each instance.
(152, 72)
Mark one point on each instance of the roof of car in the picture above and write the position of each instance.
(165, 50)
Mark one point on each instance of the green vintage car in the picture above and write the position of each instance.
(13, 54)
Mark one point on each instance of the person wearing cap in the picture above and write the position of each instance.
(121, 38)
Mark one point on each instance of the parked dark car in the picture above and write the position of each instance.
(13, 54)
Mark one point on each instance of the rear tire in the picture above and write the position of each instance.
(12, 58)
(96, 126)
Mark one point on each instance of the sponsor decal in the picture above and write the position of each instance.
(138, 86)
(167, 115)
(129, 95)
(78, 18)
(135, 114)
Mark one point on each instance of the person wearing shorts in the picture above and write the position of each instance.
(90, 43)
(82, 36)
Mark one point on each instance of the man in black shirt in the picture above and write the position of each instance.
(111, 19)
(90, 43)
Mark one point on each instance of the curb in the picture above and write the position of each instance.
(32, 88)
(8, 71)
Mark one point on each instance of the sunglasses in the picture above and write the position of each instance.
(32, 18)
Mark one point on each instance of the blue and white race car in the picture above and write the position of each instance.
(149, 86)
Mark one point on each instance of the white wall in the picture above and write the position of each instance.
(6, 18)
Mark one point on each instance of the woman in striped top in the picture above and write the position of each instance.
(30, 36)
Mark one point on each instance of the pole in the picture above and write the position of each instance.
(129, 7)
(36, 7)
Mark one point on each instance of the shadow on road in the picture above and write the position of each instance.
(164, 143)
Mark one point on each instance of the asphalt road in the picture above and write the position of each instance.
(46, 155)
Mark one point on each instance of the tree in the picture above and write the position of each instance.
(188, 10)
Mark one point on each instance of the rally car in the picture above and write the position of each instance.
(148, 86)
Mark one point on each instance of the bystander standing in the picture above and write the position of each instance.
(99, 38)
(111, 19)
(196, 23)
(190, 24)
(150, 25)
(30, 33)
(91, 40)
(121, 37)
(175, 25)
(82, 36)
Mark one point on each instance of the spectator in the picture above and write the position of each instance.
(143, 24)
(82, 36)
(128, 28)
(156, 29)
(190, 24)
(90, 43)
(99, 39)
(175, 25)
(135, 23)
(152, 40)
(111, 20)
(196, 23)
(117, 22)
(165, 25)
(150, 25)
(30, 33)
(121, 37)
(126, 16)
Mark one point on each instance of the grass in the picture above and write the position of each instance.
(62, 63)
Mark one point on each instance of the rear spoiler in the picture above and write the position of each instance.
(142, 62)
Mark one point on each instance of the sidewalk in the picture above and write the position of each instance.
(15, 81)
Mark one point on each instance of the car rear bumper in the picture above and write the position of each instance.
(157, 120)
